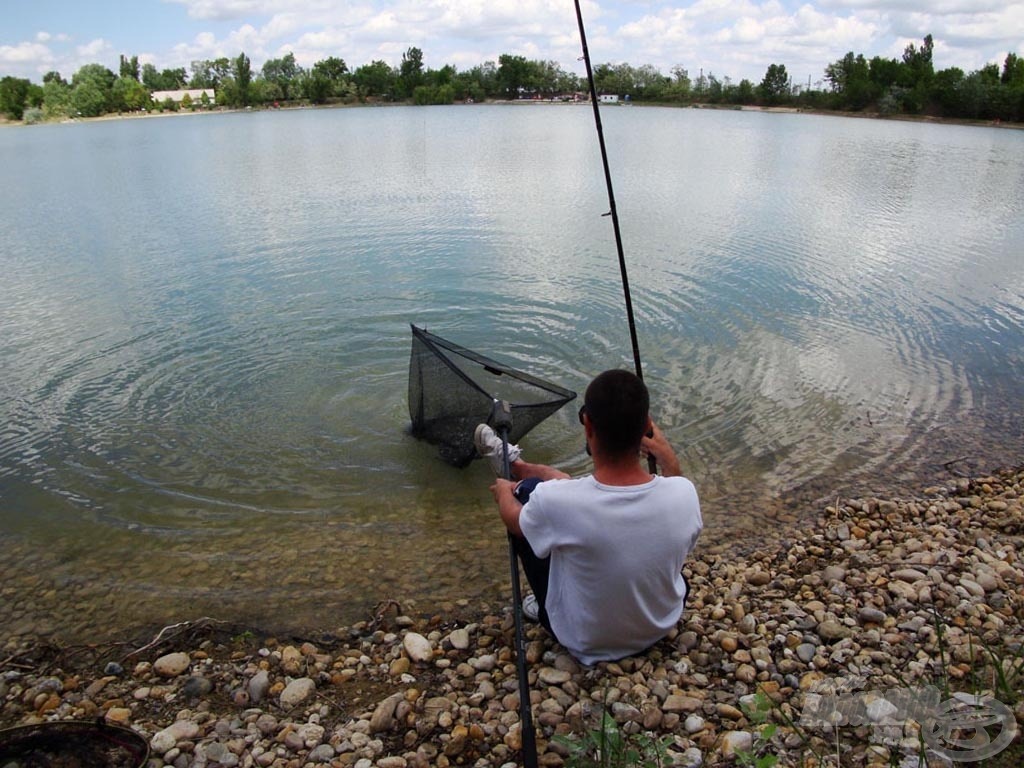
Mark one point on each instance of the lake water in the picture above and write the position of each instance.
(205, 335)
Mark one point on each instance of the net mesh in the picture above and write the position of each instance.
(452, 389)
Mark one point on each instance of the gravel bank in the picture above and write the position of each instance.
(882, 594)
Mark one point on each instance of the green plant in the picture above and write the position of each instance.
(757, 713)
(606, 746)
(1007, 673)
(940, 637)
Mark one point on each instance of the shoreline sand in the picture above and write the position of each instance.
(877, 596)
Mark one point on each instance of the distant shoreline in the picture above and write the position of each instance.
(929, 119)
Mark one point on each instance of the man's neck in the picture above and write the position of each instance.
(624, 471)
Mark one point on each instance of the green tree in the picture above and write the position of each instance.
(210, 73)
(173, 79)
(775, 85)
(243, 80)
(263, 92)
(974, 96)
(433, 94)
(167, 80)
(945, 90)
(35, 96)
(715, 89)
(918, 63)
(651, 85)
(480, 82)
(435, 78)
(883, 73)
(333, 68)
(680, 86)
(54, 76)
(1013, 70)
(92, 90)
(515, 75)
(410, 72)
(151, 77)
(375, 79)
(13, 96)
(282, 73)
(850, 81)
(316, 87)
(620, 79)
(130, 94)
(130, 67)
(56, 98)
(745, 92)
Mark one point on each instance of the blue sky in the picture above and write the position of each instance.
(730, 38)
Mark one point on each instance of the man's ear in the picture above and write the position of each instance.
(649, 431)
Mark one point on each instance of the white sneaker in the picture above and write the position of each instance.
(531, 609)
(488, 445)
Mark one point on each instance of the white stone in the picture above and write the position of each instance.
(459, 638)
(163, 741)
(694, 724)
(171, 665)
(297, 692)
(736, 741)
(552, 676)
(418, 647)
(692, 758)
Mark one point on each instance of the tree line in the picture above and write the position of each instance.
(908, 85)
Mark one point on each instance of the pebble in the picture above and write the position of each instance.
(833, 630)
(418, 647)
(459, 638)
(693, 724)
(844, 599)
(258, 686)
(297, 692)
(869, 615)
(172, 664)
(736, 741)
(806, 651)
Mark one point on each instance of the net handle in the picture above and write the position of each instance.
(501, 418)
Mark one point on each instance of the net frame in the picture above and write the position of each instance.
(452, 389)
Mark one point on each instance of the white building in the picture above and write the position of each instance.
(195, 94)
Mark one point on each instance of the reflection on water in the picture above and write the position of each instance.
(206, 332)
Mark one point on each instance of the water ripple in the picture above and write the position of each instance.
(817, 302)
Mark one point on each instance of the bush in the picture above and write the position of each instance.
(33, 115)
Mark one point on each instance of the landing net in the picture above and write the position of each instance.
(452, 389)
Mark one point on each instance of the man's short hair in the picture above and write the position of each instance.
(617, 403)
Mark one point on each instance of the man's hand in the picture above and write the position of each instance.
(508, 505)
(502, 487)
(655, 444)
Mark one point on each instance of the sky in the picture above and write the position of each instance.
(728, 38)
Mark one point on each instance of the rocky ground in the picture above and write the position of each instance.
(880, 599)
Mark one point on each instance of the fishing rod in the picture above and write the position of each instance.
(612, 210)
(501, 416)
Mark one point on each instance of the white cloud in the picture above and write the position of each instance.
(734, 38)
(95, 49)
(24, 53)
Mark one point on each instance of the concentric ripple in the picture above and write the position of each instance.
(205, 354)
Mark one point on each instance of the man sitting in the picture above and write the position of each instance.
(603, 553)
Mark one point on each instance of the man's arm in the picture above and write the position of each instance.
(508, 505)
(658, 446)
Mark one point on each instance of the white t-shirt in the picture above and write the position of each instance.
(615, 586)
